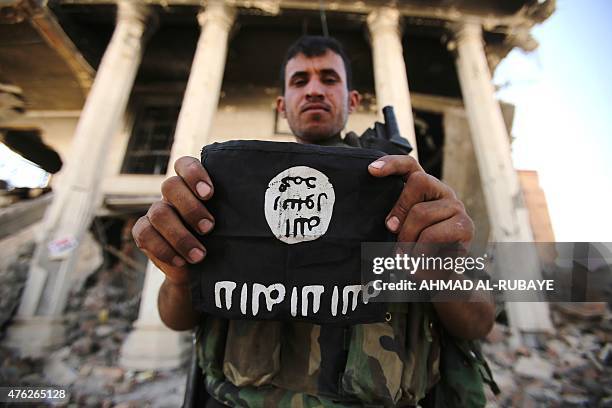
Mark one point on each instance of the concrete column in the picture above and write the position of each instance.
(152, 345)
(460, 171)
(509, 220)
(390, 69)
(204, 85)
(39, 320)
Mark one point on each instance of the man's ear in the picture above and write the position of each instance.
(280, 106)
(354, 101)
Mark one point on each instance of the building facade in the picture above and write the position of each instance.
(120, 89)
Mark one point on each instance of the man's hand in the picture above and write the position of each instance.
(163, 235)
(428, 212)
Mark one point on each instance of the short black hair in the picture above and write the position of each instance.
(315, 46)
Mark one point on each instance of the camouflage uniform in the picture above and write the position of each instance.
(295, 364)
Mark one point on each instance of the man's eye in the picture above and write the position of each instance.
(299, 82)
(330, 80)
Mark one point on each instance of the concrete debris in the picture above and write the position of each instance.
(536, 395)
(505, 380)
(605, 354)
(556, 348)
(534, 367)
(144, 376)
(572, 361)
(108, 374)
(571, 368)
(497, 334)
(58, 372)
(89, 260)
(583, 310)
(167, 391)
(12, 282)
(99, 315)
(104, 330)
(576, 401)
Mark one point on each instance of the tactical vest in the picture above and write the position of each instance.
(286, 364)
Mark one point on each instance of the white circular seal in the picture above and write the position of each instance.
(299, 203)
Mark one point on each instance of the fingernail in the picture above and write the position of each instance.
(196, 255)
(378, 164)
(178, 261)
(203, 189)
(393, 223)
(205, 226)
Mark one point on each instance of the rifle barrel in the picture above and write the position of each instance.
(391, 123)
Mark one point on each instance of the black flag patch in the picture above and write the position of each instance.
(289, 222)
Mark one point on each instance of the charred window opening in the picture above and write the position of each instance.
(149, 148)
(430, 141)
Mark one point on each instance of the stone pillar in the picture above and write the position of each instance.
(460, 172)
(151, 345)
(165, 348)
(390, 69)
(204, 85)
(38, 324)
(508, 216)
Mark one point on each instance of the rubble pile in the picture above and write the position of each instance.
(12, 282)
(570, 368)
(99, 316)
(98, 319)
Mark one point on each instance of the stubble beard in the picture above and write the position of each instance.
(317, 133)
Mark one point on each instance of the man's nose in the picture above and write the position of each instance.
(314, 88)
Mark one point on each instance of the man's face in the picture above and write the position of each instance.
(317, 101)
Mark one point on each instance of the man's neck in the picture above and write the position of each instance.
(335, 140)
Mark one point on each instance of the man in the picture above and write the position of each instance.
(317, 99)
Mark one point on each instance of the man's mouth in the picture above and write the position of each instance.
(313, 107)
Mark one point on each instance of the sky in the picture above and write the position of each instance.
(20, 172)
(562, 125)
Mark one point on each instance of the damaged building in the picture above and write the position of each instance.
(107, 94)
